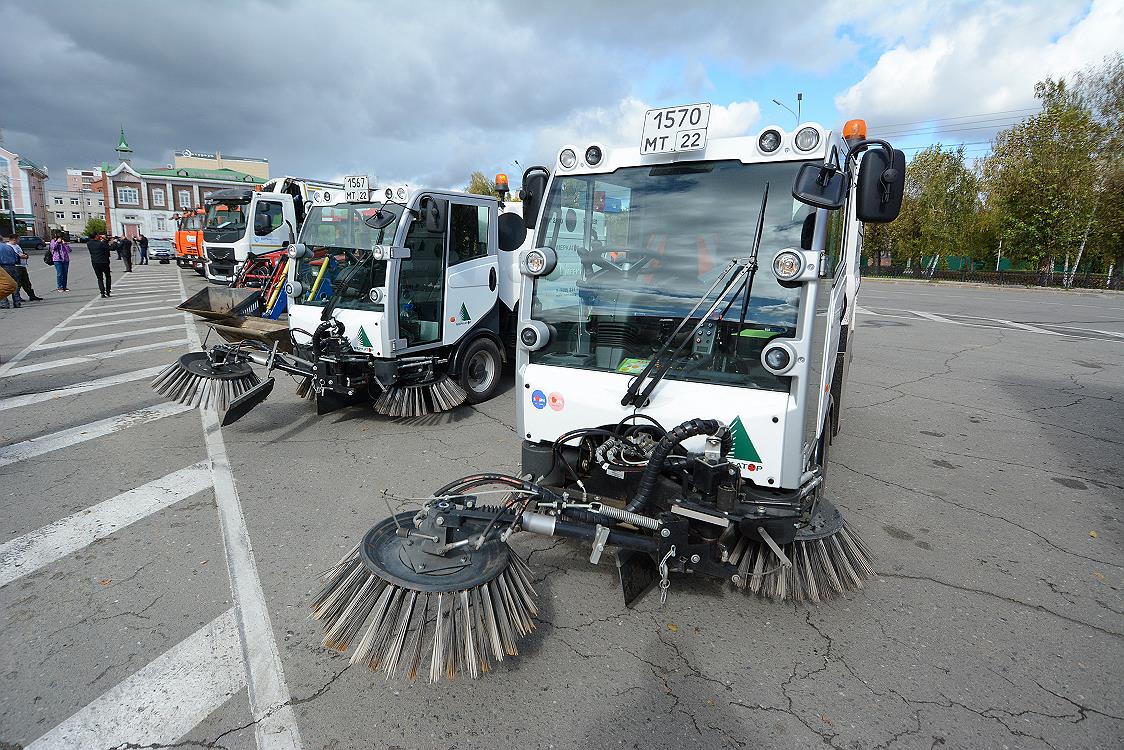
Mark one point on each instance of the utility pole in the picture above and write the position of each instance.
(799, 104)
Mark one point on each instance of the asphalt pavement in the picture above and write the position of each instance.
(155, 570)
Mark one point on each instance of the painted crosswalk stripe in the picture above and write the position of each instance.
(104, 323)
(15, 402)
(139, 290)
(30, 552)
(116, 305)
(933, 317)
(106, 337)
(54, 363)
(54, 441)
(162, 308)
(162, 701)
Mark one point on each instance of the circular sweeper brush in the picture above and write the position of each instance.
(411, 608)
(437, 395)
(824, 560)
(195, 379)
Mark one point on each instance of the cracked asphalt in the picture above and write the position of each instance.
(980, 465)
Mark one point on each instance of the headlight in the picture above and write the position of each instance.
(593, 156)
(769, 141)
(375, 295)
(378, 252)
(534, 335)
(807, 139)
(298, 250)
(777, 358)
(401, 194)
(568, 159)
(538, 261)
(294, 289)
(389, 194)
(787, 265)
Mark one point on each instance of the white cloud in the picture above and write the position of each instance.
(986, 58)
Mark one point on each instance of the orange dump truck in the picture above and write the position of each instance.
(189, 240)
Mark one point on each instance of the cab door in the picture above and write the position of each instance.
(473, 267)
(269, 230)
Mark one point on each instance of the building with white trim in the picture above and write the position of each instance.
(23, 198)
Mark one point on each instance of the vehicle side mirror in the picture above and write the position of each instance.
(821, 186)
(433, 210)
(881, 186)
(532, 192)
(512, 231)
(262, 223)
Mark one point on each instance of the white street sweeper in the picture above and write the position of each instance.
(687, 319)
(401, 296)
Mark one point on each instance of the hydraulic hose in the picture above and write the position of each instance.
(658, 460)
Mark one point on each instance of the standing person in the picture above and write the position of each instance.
(24, 278)
(142, 242)
(9, 261)
(125, 252)
(99, 259)
(60, 256)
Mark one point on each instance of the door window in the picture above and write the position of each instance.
(468, 233)
(421, 286)
(267, 217)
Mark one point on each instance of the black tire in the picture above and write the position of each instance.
(481, 369)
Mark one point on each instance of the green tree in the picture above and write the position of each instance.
(1102, 89)
(1041, 179)
(478, 184)
(94, 225)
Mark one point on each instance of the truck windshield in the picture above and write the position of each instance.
(637, 248)
(340, 238)
(226, 217)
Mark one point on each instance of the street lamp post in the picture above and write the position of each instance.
(799, 102)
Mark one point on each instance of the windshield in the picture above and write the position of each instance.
(340, 238)
(226, 217)
(637, 249)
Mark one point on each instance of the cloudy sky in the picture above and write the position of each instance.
(427, 91)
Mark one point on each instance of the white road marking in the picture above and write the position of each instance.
(125, 312)
(106, 337)
(15, 402)
(54, 441)
(7, 366)
(276, 723)
(151, 289)
(115, 306)
(119, 322)
(933, 317)
(52, 364)
(162, 701)
(863, 311)
(30, 552)
(1026, 327)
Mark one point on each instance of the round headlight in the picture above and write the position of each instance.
(534, 335)
(787, 265)
(389, 194)
(375, 295)
(401, 194)
(777, 358)
(593, 156)
(807, 139)
(378, 252)
(529, 336)
(294, 289)
(536, 262)
(568, 159)
(769, 141)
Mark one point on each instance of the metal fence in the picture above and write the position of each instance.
(1083, 280)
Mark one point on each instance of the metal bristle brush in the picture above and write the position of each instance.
(441, 394)
(824, 560)
(195, 380)
(410, 610)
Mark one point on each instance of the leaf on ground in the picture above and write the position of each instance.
(1093, 534)
(673, 627)
(105, 581)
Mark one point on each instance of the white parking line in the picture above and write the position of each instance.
(114, 306)
(15, 402)
(7, 366)
(52, 364)
(54, 441)
(164, 700)
(933, 317)
(30, 552)
(169, 288)
(125, 312)
(105, 337)
(275, 726)
(119, 322)
(1025, 327)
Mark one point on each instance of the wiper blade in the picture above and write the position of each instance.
(662, 360)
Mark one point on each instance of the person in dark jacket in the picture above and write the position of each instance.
(124, 248)
(99, 258)
(142, 243)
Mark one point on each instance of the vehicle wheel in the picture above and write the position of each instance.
(480, 370)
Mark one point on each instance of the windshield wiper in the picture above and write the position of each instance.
(344, 283)
(662, 360)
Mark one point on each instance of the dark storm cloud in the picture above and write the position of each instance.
(424, 92)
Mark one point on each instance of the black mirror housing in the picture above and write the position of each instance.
(821, 186)
(532, 192)
(512, 232)
(433, 209)
(881, 186)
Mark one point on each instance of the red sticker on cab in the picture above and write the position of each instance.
(556, 401)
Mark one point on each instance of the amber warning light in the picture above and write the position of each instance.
(854, 131)
(501, 183)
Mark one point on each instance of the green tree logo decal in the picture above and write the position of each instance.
(464, 317)
(364, 339)
(743, 446)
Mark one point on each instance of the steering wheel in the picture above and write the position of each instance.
(595, 256)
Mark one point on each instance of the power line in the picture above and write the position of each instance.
(958, 117)
(957, 129)
(938, 143)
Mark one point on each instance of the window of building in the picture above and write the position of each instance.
(185, 199)
(158, 197)
(128, 195)
(89, 202)
(161, 223)
(60, 215)
(58, 201)
(76, 215)
(74, 201)
(101, 202)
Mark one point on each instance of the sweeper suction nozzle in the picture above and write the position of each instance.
(408, 607)
(198, 380)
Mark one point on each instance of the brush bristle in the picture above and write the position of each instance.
(462, 632)
(442, 394)
(821, 568)
(177, 383)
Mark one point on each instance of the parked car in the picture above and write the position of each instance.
(32, 244)
(161, 250)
